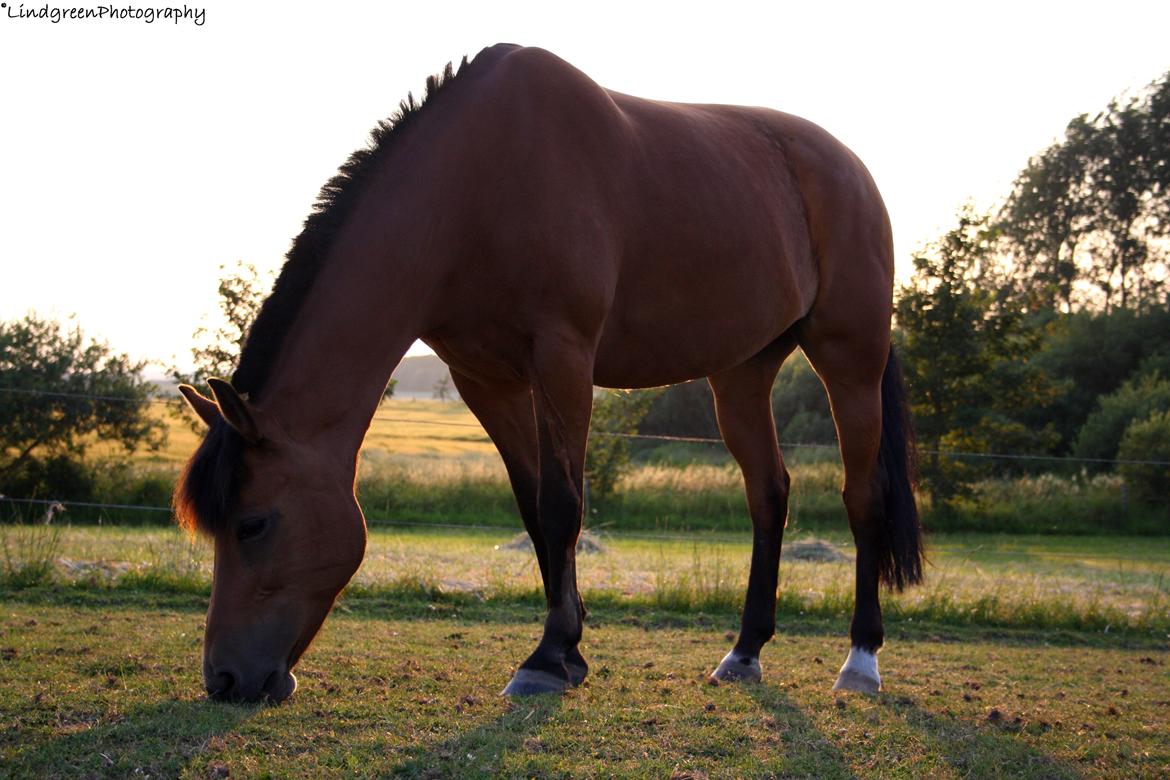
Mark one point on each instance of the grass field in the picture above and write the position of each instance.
(404, 426)
(107, 684)
(1021, 657)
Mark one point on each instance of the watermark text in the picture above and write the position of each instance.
(57, 14)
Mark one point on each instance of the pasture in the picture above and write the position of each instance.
(108, 685)
(1021, 656)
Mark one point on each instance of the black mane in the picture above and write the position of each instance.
(209, 484)
(335, 203)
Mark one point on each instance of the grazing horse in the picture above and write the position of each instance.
(544, 235)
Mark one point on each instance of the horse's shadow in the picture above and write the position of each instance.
(157, 740)
(807, 752)
(963, 745)
(480, 748)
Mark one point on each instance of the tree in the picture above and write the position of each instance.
(616, 414)
(217, 349)
(62, 392)
(966, 344)
(442, 388)
(1047, 217)
(1088, 217)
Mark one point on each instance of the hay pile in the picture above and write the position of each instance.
(589, 543)
(816, 550)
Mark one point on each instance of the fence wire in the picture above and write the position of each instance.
(49, 504)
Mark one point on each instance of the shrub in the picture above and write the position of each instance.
(1101, 435)
(1147, 439)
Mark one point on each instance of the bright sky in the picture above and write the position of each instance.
(137, 158)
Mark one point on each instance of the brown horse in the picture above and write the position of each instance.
(544, 235)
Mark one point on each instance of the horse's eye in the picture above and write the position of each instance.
(251, 527)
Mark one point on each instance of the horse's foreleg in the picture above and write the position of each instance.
(507, 417)
(562, 393)
(743, 403)
(506, 413)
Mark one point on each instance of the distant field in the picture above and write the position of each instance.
(402, 426)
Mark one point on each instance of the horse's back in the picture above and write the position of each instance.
(686, 233)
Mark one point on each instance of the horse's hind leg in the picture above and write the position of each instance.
(506, 413)
(864, 385)
(743, 403)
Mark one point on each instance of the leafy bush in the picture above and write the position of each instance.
(1101, 435)
(54, 478)
(801, 405)
(1091, 354)
(614, 412)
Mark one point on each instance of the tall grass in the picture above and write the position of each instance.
(30, 554)
(662, 492)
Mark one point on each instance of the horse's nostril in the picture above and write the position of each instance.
(220, 684)
(279, 685)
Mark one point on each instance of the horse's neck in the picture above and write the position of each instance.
(333, 367)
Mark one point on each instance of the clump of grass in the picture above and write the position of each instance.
(30, 554)
(708, 583)
(173, 564)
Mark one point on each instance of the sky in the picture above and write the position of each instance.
(137, 158)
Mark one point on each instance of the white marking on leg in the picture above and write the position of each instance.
(736, 666)
(859, 672)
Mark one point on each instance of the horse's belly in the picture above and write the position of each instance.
(663, 339)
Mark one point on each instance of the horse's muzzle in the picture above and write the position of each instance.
(224, 684)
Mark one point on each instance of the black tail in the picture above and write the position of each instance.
(901, 556)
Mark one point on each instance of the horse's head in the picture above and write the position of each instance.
(288, 536)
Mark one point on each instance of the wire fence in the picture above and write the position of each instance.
(46, 505)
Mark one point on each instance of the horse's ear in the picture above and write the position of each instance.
(200, 404)
(235, 410)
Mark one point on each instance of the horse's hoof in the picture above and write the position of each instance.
(859, 673)
(577, 673)
(738, 668)
(527, 682)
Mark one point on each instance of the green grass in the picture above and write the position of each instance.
(111, 687)
(1105, 584)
